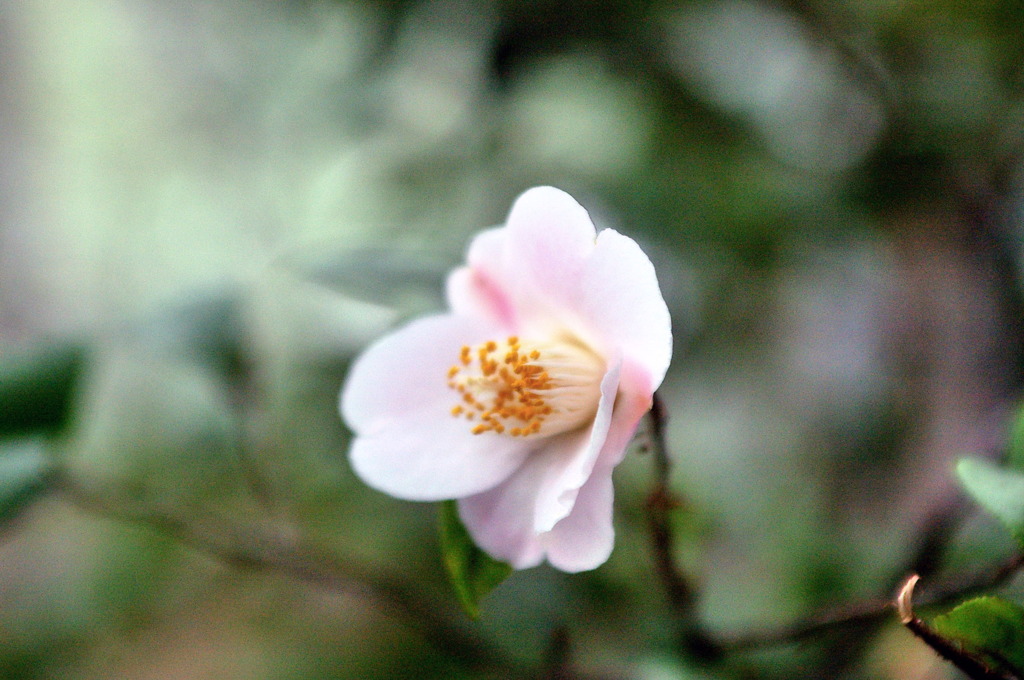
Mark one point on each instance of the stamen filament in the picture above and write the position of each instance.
(550, 387)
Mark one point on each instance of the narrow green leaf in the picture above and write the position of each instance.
(998, 490)
(473, 572)
(23, 470)
(989, 628)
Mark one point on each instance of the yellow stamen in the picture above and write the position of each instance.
(527, 389)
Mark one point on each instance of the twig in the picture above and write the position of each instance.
(558, 665)
(659, 503)
(292, 558)
(872, 611)
(695, 639)
(972, 665)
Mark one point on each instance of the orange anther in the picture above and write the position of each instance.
(504, 389)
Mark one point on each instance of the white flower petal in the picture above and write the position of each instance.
(624, 305)
(530, 266)
(486, 250)
(501, 521)
(472, 293)
(550, 237)
(564, 476)
(404, 373)
(398, 403)
(432, 458)
(585, 538)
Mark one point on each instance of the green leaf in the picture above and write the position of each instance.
(989, 628)
(473, 572)
(998, 490)
(23, 471)
(36, 387)
(1015, 443)
(156, 433)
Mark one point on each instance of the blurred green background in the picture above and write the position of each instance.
(208, 208)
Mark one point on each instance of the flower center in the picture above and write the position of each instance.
(524, 388)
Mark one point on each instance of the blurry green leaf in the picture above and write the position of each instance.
(409, 281)
(998, 490)
(473, 572)
(1015, 445)
(990, 629)
(23, 469)
(208, 328)
(156, 432)
(36, 387)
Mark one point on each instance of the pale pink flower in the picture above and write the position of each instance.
(521, 400)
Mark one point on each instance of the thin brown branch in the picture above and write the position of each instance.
(276, 553)
(660, 503)
(971, 665)
(695, 640)
(873, 611)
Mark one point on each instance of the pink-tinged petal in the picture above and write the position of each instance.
(471, 292)
(397, 402)
(480, 288)
(550, 237)
(634, 400)
(487, 250)
(501, 521)
(624, 306)
(585, 538)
